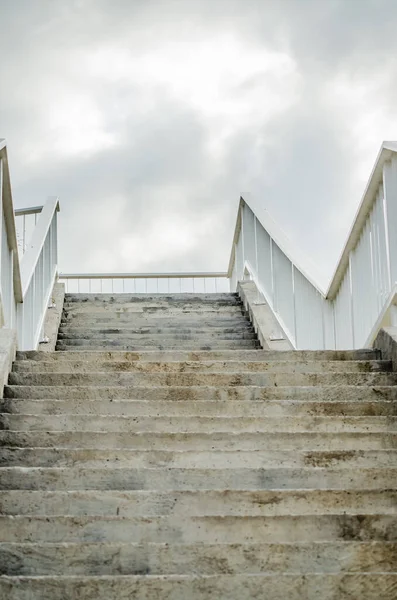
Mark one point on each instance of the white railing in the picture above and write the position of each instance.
(362, 294)
(25, 223)
(145, 283)
(26, 283)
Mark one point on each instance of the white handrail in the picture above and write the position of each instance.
(360, 295)
(9, 221)
(26, 286)
(30, 210)
(194, 282)
(36, 244)
(187, 275)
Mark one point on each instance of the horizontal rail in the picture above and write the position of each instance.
(32, 254)
(141, 275)
(31, 210)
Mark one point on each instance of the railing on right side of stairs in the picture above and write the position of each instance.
(362, 295)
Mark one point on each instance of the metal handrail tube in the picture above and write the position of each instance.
(195, 275)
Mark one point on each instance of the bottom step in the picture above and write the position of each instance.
(355, 586)
(101, 559)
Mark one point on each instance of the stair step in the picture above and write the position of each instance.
(203, 408)
(207, 529)
(87, 366)
(155, 440)
(161, 338)
(182, 441)
(158, 320)
(202, 459)
(225, 393)
(197, 424)
(123, 478)
(184, 559)
(142, 344)
(343, 586)
(204, 379)
(227, 502)
(225, 355)
(168, 299)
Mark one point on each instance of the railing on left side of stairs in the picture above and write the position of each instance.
(27, 281)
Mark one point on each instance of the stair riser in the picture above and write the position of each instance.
(84, 366)
(204, 379)
(198, 503)
(166, 329)
(136, 408)
(109, 424)
(132, 309)
(338, 356)
(134, 459)
(309, 441)
(157, 321)
(233, 587)
(14, 478)
(200, 529)
(154, 338)
(167, 299)
(132, 559)
(141, 345)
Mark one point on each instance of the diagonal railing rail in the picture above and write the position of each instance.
(361, 296)
(26, 283)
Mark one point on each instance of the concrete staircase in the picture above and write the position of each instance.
(161, 454)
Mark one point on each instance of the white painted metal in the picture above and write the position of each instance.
(143, 283)
(361, 293)
(26, 285)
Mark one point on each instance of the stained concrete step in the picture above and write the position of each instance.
(201, 328)
(206, 559)
(332, 393)
(82, 346)
(145, 320)
(216, 408)
(155, 339)
(87, 366)
(196, 424)
(225, 355)
(207, 529)
(365, 586)
(193, 311)
(80, 333)
(168, 299)
(235, 502)
(206, 394)
(124, 478)
(204, 379)
(202, 459)
(156, 440)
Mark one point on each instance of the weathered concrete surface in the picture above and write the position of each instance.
(53, 318)
(103, 559)
(336, 586)
(231, 473)
(266, 326)
(166, 356)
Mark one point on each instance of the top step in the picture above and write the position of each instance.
(170, 299)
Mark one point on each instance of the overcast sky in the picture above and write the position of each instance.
(149, 118)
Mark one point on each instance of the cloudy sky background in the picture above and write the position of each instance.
(149, 118)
